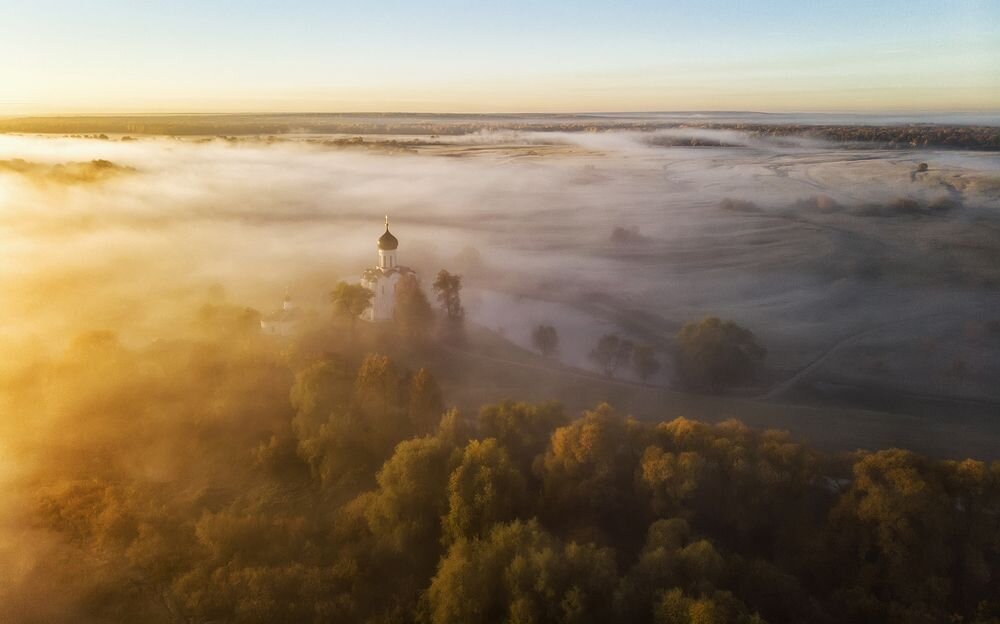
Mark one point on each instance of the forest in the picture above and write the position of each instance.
(225, 477)
(861, 134)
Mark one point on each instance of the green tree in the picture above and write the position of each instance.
(425, 402)
(610, 353)
(318, 390)
(644, 362)
(713, 354)
(485, 489)
(404, 514)
(413, 312)
(447, 287)
(350, 300)
(545, 339)
(331, 401)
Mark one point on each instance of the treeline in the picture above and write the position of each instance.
(66, 173)
(888, 136)
(893, 137)
(226, 480)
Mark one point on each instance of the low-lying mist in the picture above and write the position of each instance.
(145, 423)
(163, 221)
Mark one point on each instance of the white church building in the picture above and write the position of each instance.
(282, 322)
(382, 278)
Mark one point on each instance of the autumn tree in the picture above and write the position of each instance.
(447, 287)
(521, 573)
(713, 354)
(485, 489)
(610, 353)
(350, 300)
(588, 472)
(676, 563)
(453, 428)
(297, 492)
(545, 339)
(673, 479)
(720, 607)
(893, 524)
(522, 429)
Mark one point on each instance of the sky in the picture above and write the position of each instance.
(137, 56)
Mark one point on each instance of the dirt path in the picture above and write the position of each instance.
(777, 390)
(832, 428)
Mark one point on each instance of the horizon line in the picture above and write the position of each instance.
(880, 112)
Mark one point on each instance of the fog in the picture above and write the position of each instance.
(858, 272)
(255, 219)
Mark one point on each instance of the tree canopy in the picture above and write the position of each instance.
(278, 488)
(713, 354)
(350, 300)
(610, 353)
(448, 287)
(413, 312)
(545, 339)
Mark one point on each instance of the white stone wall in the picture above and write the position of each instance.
(384, 302)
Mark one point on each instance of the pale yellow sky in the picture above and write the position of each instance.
(117, 57)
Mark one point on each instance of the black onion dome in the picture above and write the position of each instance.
(387, 242)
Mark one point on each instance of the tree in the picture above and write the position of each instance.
(377, 387)
(721, 607)
(331, 400)
(893, 526)
(406, 510)
(522, 429)
(350, 300)
(588, 473)
(644, 362)
(318, 390)
(485, 489)
(425, 402)
(713, 354)
(545, 339)
(413, 312)
(673, 479)
(610, 353)
(447, 287)
(404, 514)
(520, 573)
(671, 563)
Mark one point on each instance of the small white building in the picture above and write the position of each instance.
(382, 279)
(282, 322)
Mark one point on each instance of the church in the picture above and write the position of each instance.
(383, 278)
(282, 322)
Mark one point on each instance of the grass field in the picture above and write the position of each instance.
(489, 369)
